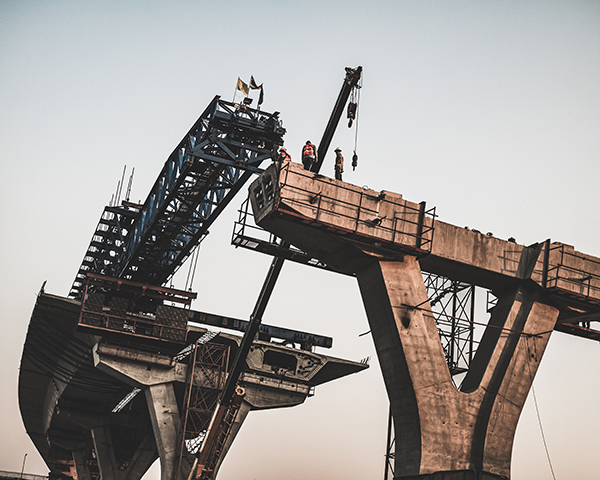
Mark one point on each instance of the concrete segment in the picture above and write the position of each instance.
(442, 432)
(385, 225)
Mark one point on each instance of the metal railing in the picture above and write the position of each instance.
(118, 305)
(18, 476)
(571, 280)
(408, 221)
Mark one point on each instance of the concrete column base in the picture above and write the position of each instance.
(442, 429)
(80, 458)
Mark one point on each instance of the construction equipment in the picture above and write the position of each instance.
(232, 392)
(141, 246)
(351, 82)
(148, 242)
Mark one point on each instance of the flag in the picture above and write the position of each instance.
(241, 86)
(261, 97)
(253, 84)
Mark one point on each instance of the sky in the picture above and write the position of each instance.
(488, 110)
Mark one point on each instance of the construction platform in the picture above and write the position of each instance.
(82, 369)
(388, 243)
(351, 224)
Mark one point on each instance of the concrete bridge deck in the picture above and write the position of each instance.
(351, 224)
(70, 381)
(386, 242)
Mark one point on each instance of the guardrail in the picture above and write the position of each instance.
(411, 226)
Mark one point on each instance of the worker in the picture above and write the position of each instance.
(339, 163)
(309, 155)
(284, 156)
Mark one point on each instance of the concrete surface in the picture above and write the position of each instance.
(386, 242)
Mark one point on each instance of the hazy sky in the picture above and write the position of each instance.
(488, 110)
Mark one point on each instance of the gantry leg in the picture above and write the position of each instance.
(438, 427)
(105, 453)
(80, 459)
(166, 424)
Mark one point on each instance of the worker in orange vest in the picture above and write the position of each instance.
(284, 156)
(339, 163)
(309, 155)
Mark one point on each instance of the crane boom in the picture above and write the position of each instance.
(149, 242)
(353, 76)
(230, 396)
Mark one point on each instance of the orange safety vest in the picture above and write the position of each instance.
(308, 149)
(339, 162)
(285, 156)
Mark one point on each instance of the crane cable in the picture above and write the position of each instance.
(353, 107)
(537, 411)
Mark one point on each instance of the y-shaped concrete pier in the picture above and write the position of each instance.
(386, 242)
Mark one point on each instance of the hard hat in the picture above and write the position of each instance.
(282, 148)
(338, 149)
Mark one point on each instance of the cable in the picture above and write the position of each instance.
(537, 411)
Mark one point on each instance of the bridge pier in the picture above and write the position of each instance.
(441, 432)
(80, 458)
(166, 424)
(438, 427)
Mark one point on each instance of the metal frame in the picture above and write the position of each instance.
(149, 242)
(251, 236)
(121, 306)
(563, 280)
(453, 306)
(200, 402)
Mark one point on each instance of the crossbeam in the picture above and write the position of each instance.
(266, 332)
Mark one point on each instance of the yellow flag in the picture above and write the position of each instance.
(242, 86)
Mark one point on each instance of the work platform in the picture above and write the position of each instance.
(350, 224)
(387, 243)
(82, 369)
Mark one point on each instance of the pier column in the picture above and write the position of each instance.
(166, 424)
(80, 459)
(439, 428)
(142, 459)
(105, 453)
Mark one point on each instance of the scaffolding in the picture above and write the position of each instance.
(114, 305)
(208, 361)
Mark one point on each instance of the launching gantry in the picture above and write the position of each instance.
(387, 242)
(117, 376)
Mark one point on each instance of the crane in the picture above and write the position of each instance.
(145, 244)
(232, 392)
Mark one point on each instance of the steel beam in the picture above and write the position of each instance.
(149, 242)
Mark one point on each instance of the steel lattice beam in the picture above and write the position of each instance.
(149, 242)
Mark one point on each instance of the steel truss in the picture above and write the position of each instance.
(149, 242)
(453, 307)
(209, 361)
